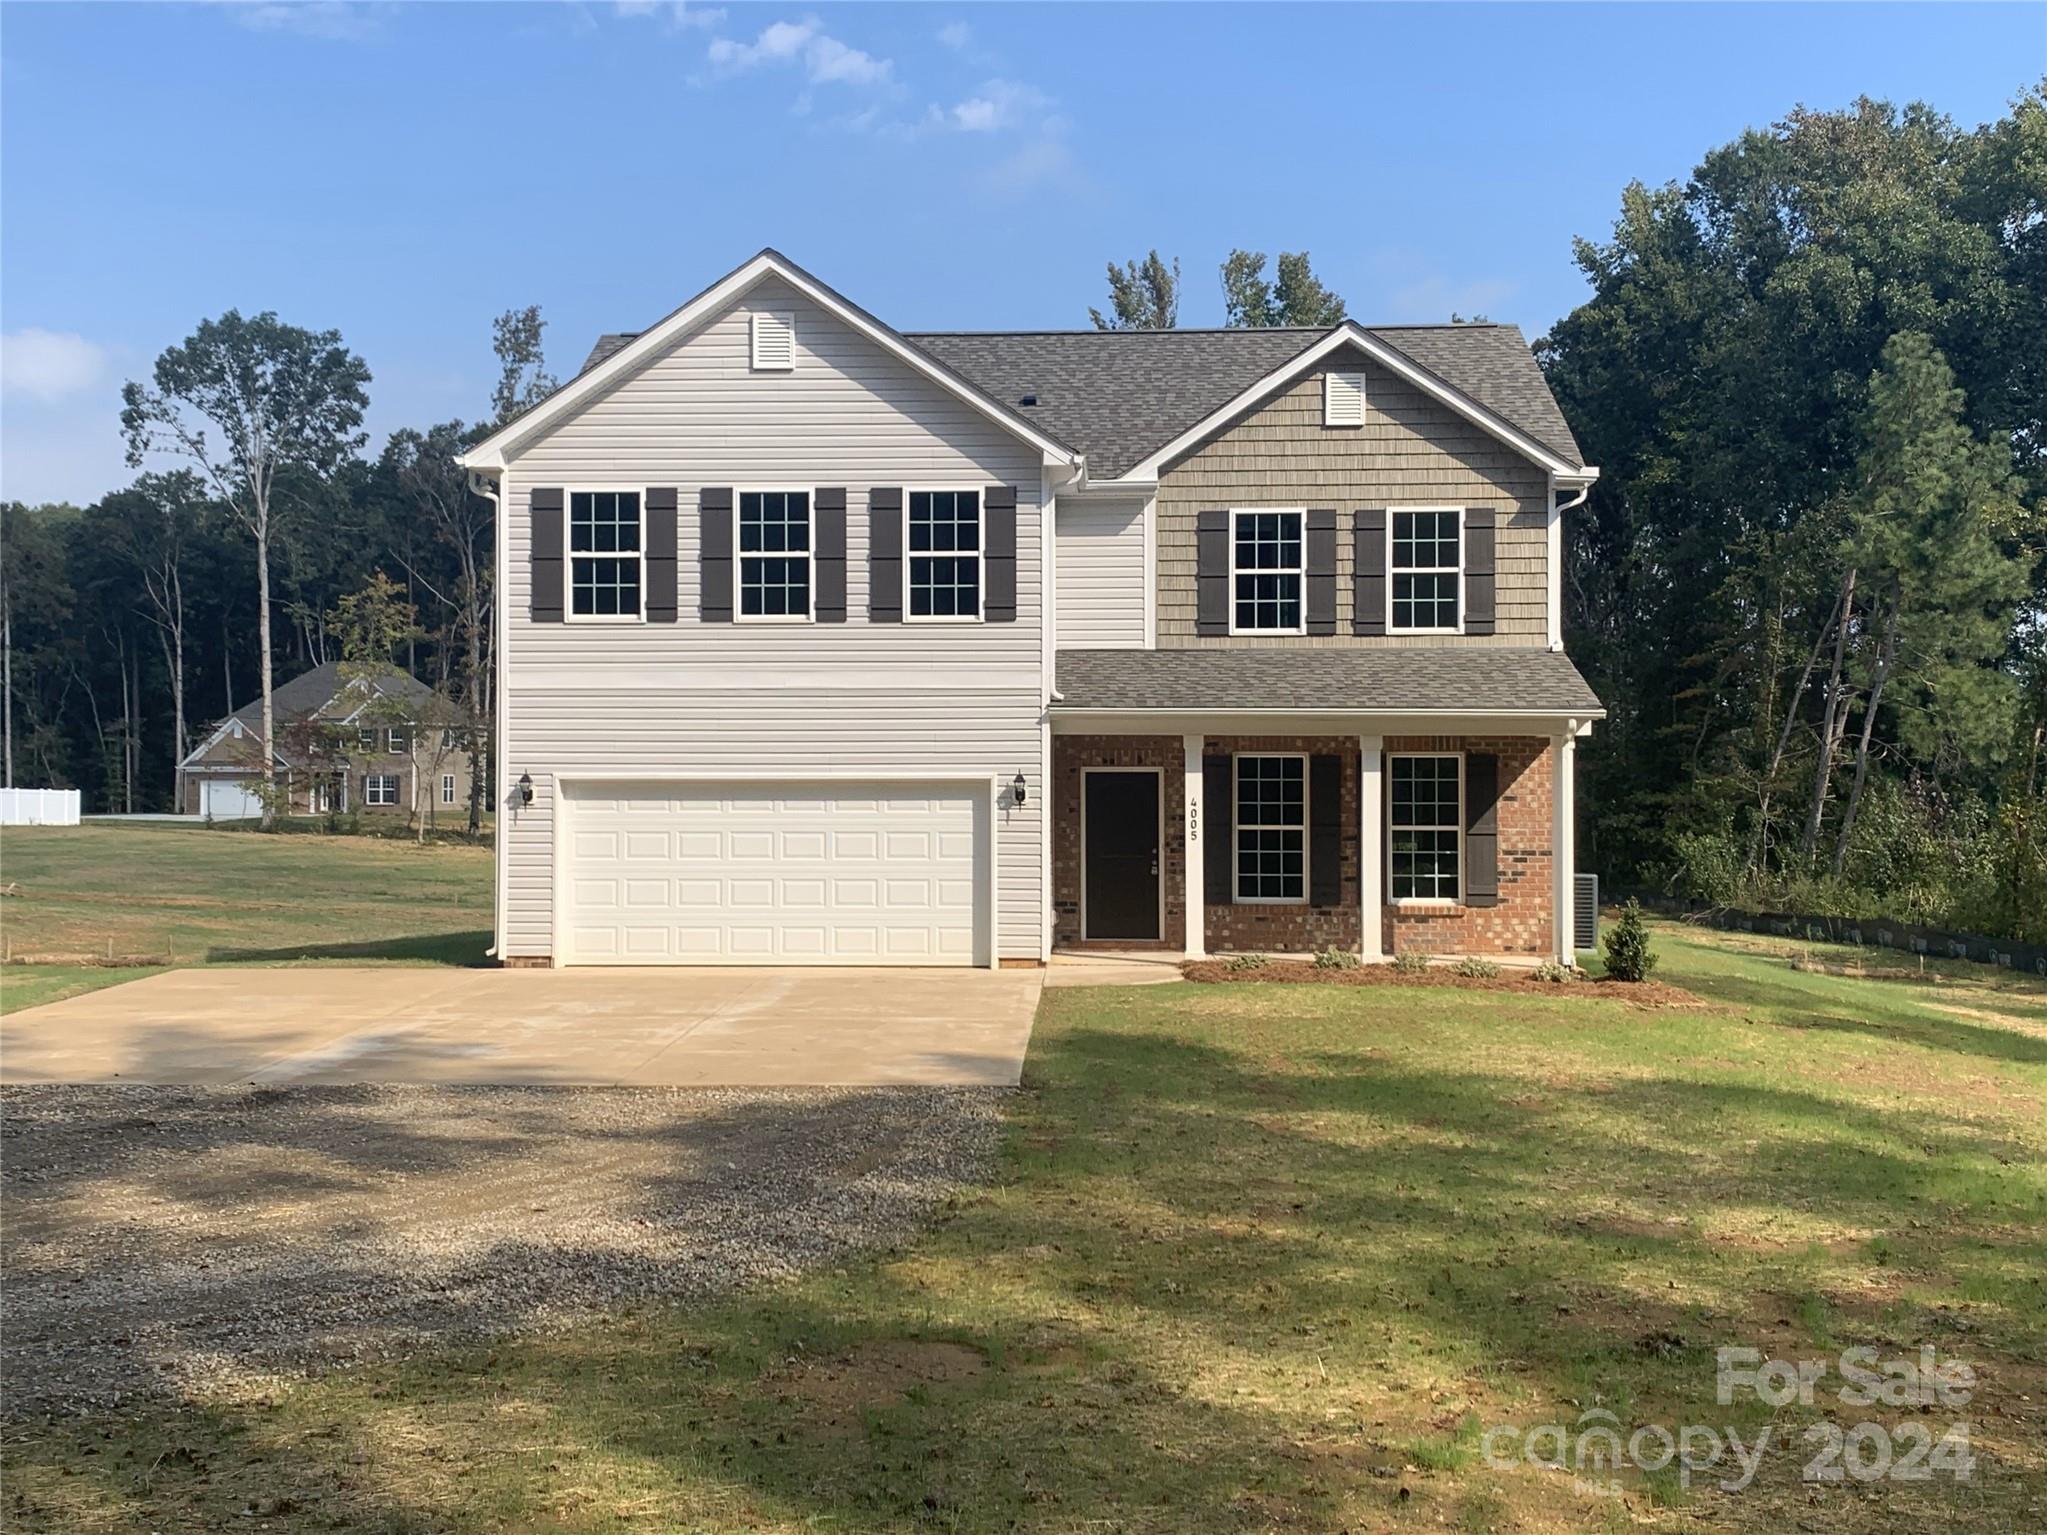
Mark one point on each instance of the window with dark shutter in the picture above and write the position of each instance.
(1212, 572)
(544, 555)
(830, 560)
(885, 555)
(1322, 572)
(1217, 811)
(1480, 523)
(1325, 829)
(1368, 602)
(714, 554)
(998, 558)
(661, 555)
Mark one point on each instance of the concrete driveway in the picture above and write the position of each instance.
(656, 1027)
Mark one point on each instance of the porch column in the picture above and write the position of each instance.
(1371, 847)
(1564, 840)
(1192, 860)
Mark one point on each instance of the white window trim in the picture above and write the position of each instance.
(366, 738)
(753, 339)
(370, 788)
(1236, 849)
(739, 557)
(447, 788)
(980, 556)
(1410, 902)
(1393, 513)
(569, 613)
(391, 735)
(1300, 571)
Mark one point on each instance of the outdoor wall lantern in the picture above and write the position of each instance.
(525, 789)
(1016, 789)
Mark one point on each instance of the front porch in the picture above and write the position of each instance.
(1448, 837)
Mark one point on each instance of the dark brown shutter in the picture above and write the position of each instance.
(1212, 572)
(1368, 600)
(828, 554)
(1325, 827)
(1321, 554)
(714, 554)
(998, 554)
(1479, 522)
(544, 555)
(885, 555)
(1219, 812)
(659, 534)
(1481, 829)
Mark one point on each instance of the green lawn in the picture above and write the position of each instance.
(160, 893)
(1268, 1258)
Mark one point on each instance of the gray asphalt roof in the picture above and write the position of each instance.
(310, 692)
(1119, 395)
(1424, 679)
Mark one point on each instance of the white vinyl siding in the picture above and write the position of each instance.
(1102, 576)
(897, 699)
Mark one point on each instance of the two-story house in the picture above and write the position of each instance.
(829, 644)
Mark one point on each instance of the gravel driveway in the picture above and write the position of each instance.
(200, 1239)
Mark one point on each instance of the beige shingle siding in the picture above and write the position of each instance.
(1412, 451)
(781, 699)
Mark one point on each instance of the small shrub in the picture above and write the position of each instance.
(1410, 962)
(1242, 962)
(1471, 967)
(1628, 955)
(1333, 958)
(1549, 970)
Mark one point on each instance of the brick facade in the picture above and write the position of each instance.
(1520, 924)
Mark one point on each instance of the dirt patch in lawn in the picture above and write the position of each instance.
(1656, 994)
(834, 1395)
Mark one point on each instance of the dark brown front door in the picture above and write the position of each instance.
(1122, 873)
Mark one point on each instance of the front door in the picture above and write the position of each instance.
(1121, 827)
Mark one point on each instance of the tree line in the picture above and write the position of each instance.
(129, 626)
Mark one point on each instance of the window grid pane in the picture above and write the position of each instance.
(945, 553)
(604, 553)
(774, 554)
(1268, 557)
(1426, 570)
(1426, 832)
(1272, 828)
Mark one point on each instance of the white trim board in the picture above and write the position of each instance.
(504, 445)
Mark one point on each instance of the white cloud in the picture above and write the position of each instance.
(341, 20)
(955, 34)
(46, 365)
(679, 14)
(824, 58)
(998, 105)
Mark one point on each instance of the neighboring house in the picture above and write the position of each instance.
(337, 750)
(827, 644)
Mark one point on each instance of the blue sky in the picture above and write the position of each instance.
(403, 173)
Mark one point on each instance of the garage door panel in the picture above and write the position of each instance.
(776, 874)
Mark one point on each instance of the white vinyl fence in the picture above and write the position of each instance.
(38, 807)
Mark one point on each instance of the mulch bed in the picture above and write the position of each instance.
(1299, 973)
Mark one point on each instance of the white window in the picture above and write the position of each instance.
(366, 738)
(604, 554)
(398, 739)
(1425, 811)
(945, 554)
(447, 740)
(774, 554)
(1266, 573)
(1272, 830)
(323, 796)
(1426, 569)
(380, 789)
(774, 341)
(1343, 398)
(447, 788)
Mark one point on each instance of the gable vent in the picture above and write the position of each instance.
(1343, 398)
(774, 340)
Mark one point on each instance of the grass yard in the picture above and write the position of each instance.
(161, 892)
(1269, 1258)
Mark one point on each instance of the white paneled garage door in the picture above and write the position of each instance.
(774, 874)
(227, 799)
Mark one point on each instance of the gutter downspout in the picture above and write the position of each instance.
(489, 489)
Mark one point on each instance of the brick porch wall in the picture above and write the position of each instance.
(1522, 921)
(1521, 924)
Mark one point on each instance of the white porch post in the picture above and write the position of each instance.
(1193, 861)
(1564, 841)
(1371, 850)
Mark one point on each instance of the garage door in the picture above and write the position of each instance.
(774, 874)
(225, 799)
